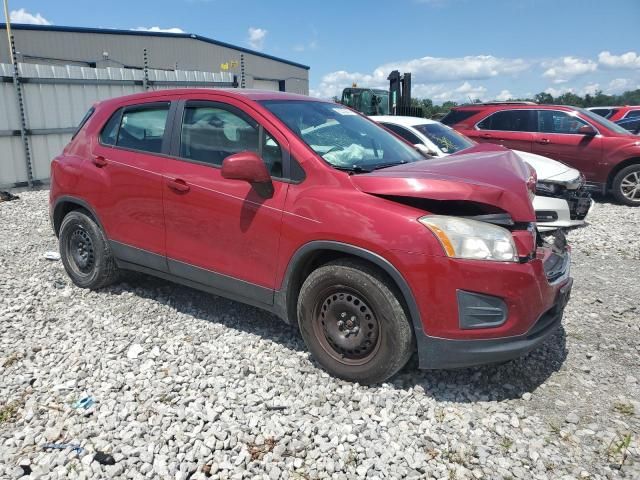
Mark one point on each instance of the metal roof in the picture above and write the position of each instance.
(145, 33)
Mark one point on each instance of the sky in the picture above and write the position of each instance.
(455, 49)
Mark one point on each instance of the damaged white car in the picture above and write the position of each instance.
(561, 199)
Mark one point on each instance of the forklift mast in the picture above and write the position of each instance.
(399, 92)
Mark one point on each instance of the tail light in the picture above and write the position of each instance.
(531, 182)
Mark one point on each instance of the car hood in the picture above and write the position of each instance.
(486, 174)
(548, 169)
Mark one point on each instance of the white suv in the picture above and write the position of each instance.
(561, 200)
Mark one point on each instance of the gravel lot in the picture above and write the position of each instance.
(188, 385)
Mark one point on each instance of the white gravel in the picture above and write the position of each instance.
(188, 385)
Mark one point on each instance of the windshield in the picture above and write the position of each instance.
(343, 138)
(445, 138)
(603, 121)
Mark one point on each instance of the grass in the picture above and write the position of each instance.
(618, 448)
(506, 443)
(11, 359)
(8, 411)
(624, 408)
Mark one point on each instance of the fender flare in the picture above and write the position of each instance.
(77, 201)
(282, 299)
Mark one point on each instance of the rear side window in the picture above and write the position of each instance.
(603, 112)
(143, 128)
(457, 116)
(109, 132)
(84, 120)
(211, 133)
(632, 114)
(509, 121)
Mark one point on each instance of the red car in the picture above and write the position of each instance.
(313, 212)
(617, 113)
(607, 154)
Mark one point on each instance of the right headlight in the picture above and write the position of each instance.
(465, 238)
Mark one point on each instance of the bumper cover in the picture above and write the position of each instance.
(440, 353)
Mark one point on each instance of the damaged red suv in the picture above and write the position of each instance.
(313, 212)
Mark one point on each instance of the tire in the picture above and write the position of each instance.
(624, 183)
(353, 323)
(85, 252)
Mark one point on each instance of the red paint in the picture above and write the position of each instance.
(622, 112)
(598, 156)
(190, 212)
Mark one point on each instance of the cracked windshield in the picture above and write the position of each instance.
(342, 137)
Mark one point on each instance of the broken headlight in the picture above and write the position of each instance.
(465, 238)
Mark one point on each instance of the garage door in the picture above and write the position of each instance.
(272, 85)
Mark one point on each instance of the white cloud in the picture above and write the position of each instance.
(564, 69)
(629, 60)
(559, 91)
(619, 85)
(428, 74)
(590, 89)
(256, 37)
(158, 29)
(22, 16)
(504, 95)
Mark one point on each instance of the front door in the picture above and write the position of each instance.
(219, 232)
(558, 138)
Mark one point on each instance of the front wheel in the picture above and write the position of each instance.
(353, 323)
(626, 186)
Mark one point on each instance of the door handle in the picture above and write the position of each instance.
(544, 141)
(178, 185)
(99, 161)
(485, 135)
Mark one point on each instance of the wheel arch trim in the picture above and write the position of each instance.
(304, 253)
(65, 199)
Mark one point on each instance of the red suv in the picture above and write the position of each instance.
(617, 113)
(607, 154)
(311, 211)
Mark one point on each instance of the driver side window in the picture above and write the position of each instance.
(211, 133)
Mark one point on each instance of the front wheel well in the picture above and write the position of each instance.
(618, 167)
(317, 258)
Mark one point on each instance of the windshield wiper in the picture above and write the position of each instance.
(386, 165)
(352, 169)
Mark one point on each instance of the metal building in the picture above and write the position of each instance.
(97, 47)
(54, 74)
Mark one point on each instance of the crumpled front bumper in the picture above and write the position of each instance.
(567, 209)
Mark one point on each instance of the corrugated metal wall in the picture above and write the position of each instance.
(55, 100)
(165, 51)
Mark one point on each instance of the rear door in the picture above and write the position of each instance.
(129, 155)
(558, 138)
(509, 128)
(222, 233)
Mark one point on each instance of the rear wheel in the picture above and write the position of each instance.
(85, 252)
(626, 185)
(353, 322)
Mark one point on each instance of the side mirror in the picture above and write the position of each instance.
(248, 166)
(424, 150)
(587, 130)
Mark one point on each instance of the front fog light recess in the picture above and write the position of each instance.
(465, 238)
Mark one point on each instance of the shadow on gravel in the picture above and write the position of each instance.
(499, 382)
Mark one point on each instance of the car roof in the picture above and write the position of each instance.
(514, 106)
(240, 93)
(401, 120)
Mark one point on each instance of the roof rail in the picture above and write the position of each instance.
(507, 102)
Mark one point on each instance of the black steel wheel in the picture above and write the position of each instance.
(85, 252)
(353, 322)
